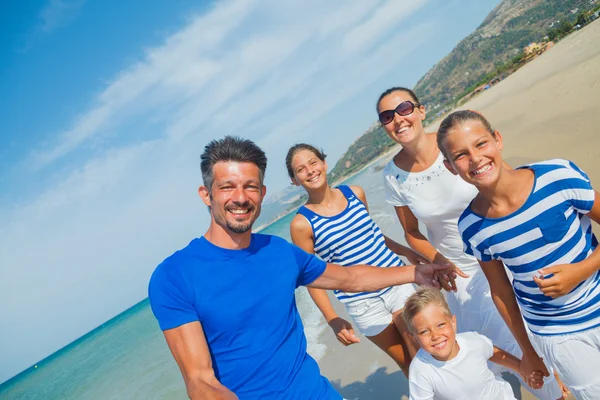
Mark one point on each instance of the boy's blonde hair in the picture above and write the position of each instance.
(421, 299)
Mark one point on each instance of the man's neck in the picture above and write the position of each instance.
(227, 239)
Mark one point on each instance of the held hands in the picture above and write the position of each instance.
(564, 279)
(413, 257)
(533, 370)
(446, 278)
(428, 274)
(343, 331)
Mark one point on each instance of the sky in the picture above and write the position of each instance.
(105, 107)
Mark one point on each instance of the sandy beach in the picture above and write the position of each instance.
(550, 108)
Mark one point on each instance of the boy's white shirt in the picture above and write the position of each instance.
(466, 376)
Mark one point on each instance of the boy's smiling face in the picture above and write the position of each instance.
(435, 331)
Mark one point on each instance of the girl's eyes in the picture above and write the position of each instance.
(458, 156)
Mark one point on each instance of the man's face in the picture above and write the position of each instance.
(236, 196)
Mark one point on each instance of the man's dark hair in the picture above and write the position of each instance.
(231, 148)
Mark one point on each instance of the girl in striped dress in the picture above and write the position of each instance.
(335, 224)
(536, 221)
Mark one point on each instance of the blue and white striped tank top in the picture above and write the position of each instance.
(350, 238)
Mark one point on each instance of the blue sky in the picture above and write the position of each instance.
(105, 107)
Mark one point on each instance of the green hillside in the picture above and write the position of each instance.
(511, 26)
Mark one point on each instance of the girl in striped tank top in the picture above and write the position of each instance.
(335, 224)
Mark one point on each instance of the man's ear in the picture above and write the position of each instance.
(263, 190)
(204, 194)
(450, 167)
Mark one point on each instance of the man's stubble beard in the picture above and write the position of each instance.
(245, 227)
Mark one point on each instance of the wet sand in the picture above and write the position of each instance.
(550, 108)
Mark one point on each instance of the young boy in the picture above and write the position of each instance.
(451, 366)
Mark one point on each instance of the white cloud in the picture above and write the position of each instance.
(59, 13)
(260, 69)
(213, 62)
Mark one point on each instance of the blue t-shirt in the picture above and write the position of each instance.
(245, 301)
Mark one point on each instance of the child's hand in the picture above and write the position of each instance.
(343, 331)
(531, 367)
(564, 279)
(536, 381)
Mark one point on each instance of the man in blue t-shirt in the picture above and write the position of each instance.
(226, 301)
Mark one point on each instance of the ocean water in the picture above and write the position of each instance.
(127, 357)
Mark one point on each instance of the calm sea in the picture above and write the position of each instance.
(127, 357)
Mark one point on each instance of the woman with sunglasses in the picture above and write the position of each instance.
(335, 224)
(422, 190)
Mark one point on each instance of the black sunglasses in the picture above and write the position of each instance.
(405, 108)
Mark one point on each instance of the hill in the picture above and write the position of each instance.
(511, 26)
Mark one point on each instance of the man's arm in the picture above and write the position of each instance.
(506, 303)
(190, 350)
(365, 278)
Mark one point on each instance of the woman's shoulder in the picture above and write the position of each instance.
(391, 168)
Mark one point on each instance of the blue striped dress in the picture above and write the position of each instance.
(350, 238)
(551, 228)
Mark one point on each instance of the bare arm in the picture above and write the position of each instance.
(415, 239)
(506, 359)
(365, 278)
(302, 236)
(506, 303)
(190, 350)
(421, 245)
(594, 214)
(412, 256)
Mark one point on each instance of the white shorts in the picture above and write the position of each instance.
(576, 357)
(475, 311)
(374, 314)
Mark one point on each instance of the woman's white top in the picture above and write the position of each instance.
(437, 198)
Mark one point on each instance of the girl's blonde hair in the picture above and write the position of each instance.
(419, 301)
